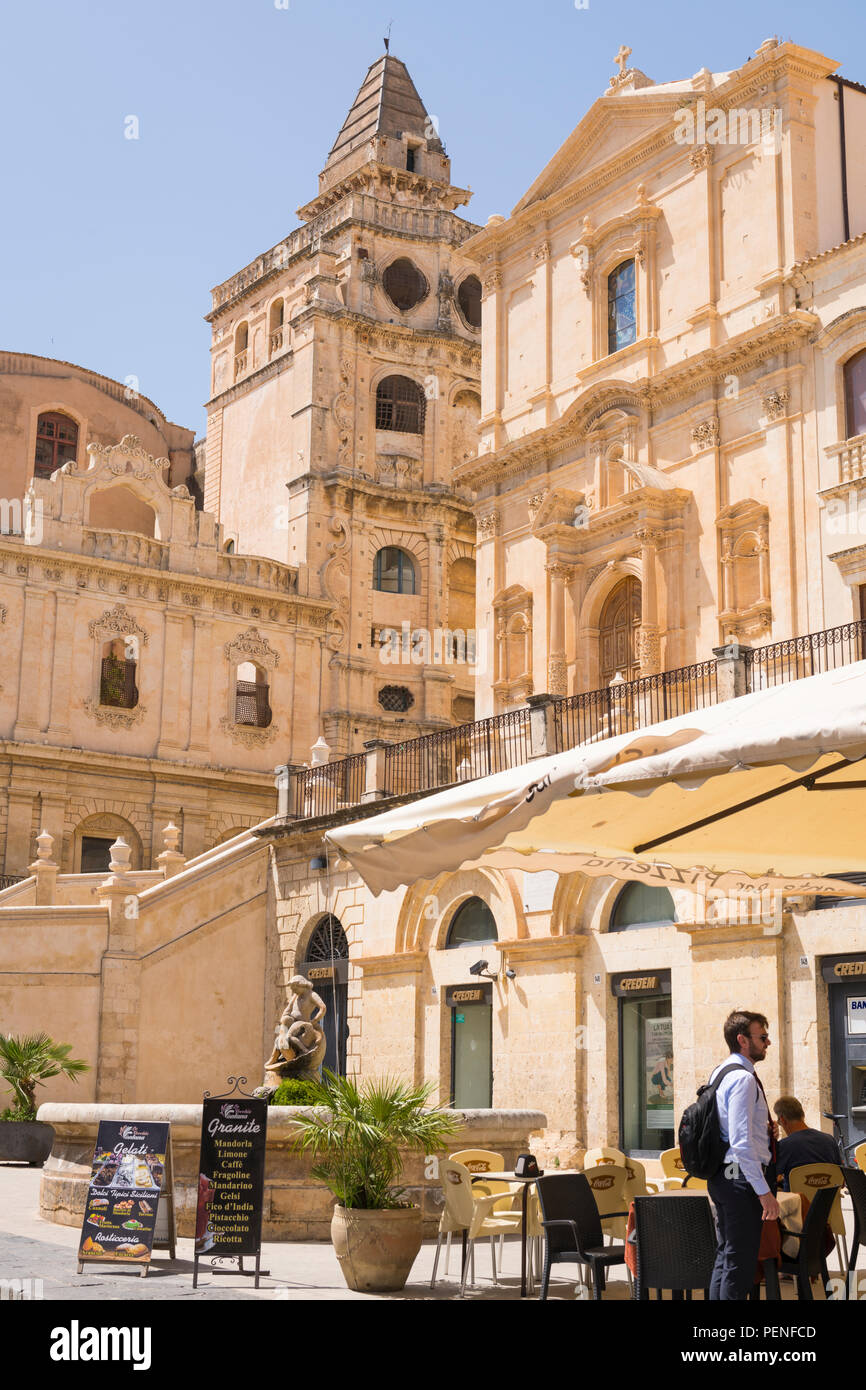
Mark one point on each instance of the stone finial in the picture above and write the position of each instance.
(622, 57)
(170, 836)
(121, 854)
(320, 753)
(45, 845)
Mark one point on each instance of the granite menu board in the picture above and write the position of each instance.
(123, 1196)
(231, 1176)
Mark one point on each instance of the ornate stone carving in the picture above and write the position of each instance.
(535, 502)
(127, 457)
(112, 717)
(344, 412)
(488, 526)
(252, 646)
(398, 470)
(248, 735)
(648, 650)
(116, 622)
(492, 281)
(700, 157)
(557, 676)
(299, 1045)
(541, 252)
(775, 404)
(706, 434)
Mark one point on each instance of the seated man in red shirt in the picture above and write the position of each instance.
(801, 1144)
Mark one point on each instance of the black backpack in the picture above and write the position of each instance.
(702, 1148)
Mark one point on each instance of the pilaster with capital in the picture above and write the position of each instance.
(648, 637)
(493, 346)
(559, 575)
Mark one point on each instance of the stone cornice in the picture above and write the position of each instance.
(405, 963)
(46, 758)
(437, 505)
(737, 355)
(543, 948)
(840, 251)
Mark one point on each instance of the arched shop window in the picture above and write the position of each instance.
(326, 966)
(473, 924)
(642, 905)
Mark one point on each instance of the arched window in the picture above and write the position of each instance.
(242, 338)
(642, 905)
(621, 315)
(117, 683)
(473, 924)
(56, 443)
(400, 405)
(404, 284)
(394, 571)
(855, 395)
(326, 965)
(275, 326)
(469, 300)
(252, 705)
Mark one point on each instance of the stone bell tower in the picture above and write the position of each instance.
(345, 390)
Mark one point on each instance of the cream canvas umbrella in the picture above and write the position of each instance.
(763, 793)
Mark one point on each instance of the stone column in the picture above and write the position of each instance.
(650, 655)
(374, 785)
(557, 681)
(542, 725)
(493, 346)
(732, 670)
(118, 1024)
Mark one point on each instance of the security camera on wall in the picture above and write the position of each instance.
(478, 968)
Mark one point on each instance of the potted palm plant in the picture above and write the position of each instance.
(358, 1138)
(25, 1063)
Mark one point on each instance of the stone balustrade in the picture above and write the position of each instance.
(851, 454)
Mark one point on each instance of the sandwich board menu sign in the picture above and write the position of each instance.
(131, 1163)
(231, 1180)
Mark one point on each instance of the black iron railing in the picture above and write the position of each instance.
(433, 761)
(626, 705)
(324, 790)
(458, 755)
(797, 657)
(7, 880)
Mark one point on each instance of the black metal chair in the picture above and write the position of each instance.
(811, 1261)
(676, 1244)
(855, 1181)
(572, 1229)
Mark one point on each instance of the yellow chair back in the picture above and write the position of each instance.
(860, 1156)
(456, 1184)
(608, 1181)
(594, 1158)
(485, 1161)
(809, 1178)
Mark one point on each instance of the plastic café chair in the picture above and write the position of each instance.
(608, 1186)
(594, 1158)
(487, 1161)
(471, 1214)
(676, 1245)
(572, 1228)
(860, 1156)
(811, 1262)
(809, 1178)
(636, 1184)
(675, 1174)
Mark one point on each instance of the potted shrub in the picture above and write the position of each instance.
(357, 1141)
(25, 1063)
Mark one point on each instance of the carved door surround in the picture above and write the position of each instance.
(744, 562)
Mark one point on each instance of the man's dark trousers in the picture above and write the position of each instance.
(738, 1213)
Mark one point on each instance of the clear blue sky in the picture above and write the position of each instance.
(111, 245)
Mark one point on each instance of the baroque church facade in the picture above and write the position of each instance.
(660, 449)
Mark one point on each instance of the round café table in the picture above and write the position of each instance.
(526, 1184)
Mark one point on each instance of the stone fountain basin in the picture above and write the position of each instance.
(296, 1206)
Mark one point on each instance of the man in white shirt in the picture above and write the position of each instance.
(740, 1190)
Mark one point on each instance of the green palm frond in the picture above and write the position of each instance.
(359, 1136)
(29, 1061)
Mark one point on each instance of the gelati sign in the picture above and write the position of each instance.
(122, 1198)
(231, 1179)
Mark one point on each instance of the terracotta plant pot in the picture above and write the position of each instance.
(376, 1249)
(25, 1141)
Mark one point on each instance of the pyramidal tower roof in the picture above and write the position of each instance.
(387, 104)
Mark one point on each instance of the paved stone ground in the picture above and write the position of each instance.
(31, 1248)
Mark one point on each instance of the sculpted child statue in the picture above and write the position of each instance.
(299, 1048)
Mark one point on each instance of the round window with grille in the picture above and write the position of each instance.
(404, 284)
(396, 698)
(469, 299)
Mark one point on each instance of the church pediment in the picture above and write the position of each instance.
(560, 507)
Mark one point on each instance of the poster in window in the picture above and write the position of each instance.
(659, 1067)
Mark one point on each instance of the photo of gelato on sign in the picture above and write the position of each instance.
(123, 1197)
